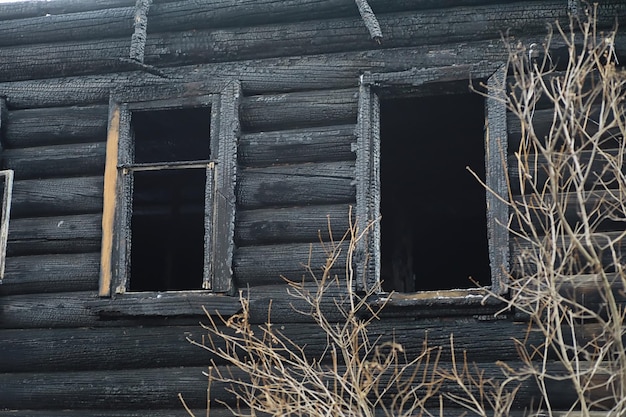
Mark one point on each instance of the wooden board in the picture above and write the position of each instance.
(56, 126)
(59, 196)
(318, 144)
(51, 273)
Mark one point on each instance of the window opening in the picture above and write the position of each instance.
(171, 154)
(433, 226)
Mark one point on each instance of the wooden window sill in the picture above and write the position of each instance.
(165, 304)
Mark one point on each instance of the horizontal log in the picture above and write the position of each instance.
(56, 126)
(60, 234)
(60, 196)
(263, 265)
(216, 411)
(20, 10)
(525, 252)
(55, 161)
(292, 185)
(165, 304)
(543, 119)
(601, 208)
(159, 388)
(54, 309)
(311, 108)
(51, 273)
(85, 349)
(117, 19)
(293, 224)
(601, 169)
(289, 39)
(319, 144)
(309, 72)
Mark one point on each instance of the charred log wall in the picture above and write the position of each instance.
(299, 64)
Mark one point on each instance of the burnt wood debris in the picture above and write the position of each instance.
(312, 112)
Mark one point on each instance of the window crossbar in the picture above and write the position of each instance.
(168, 165)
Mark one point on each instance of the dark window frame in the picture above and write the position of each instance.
(219, 193)
(429, 82)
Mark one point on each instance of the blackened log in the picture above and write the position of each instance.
(62, 196)
(310, 72)
(543, 119)
(292, 224)
(84, 349)
(3, 117)
(159, 388)
(284, 111)
(61, 234)
(28, 9)
(263, 265)
(161, 346)
(164, 304)
(53, 309)
(53, 23)
(602, 210)
(55, 126)
(344, 34)
(320, 144)
(55, 161)
(293, 185)
(601, 172)
(216, 411)
(51, 273)
(524, 252)
(119, 412)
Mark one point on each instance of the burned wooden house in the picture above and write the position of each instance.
(155, 171)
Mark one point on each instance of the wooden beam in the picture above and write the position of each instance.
(51, 273)
(263, 265)
(222, 221)
(56, 126)
(60, 234)
(317, 144)
(83, 159)
(291, 224)
(301, 109)
(305, 72)
(3, 119)
(496, 147)
(293, 185)
(158, 388)
(109, 201)
(140, 21)
(58, 196)
(126, 347)
(66, 20)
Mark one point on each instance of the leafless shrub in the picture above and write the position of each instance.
(567, 204)
(354, 376)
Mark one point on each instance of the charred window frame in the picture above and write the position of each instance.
(219, 169)
(420, 83)
(6, 185)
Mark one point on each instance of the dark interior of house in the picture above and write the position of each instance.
(167, 242)
(434, 233)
